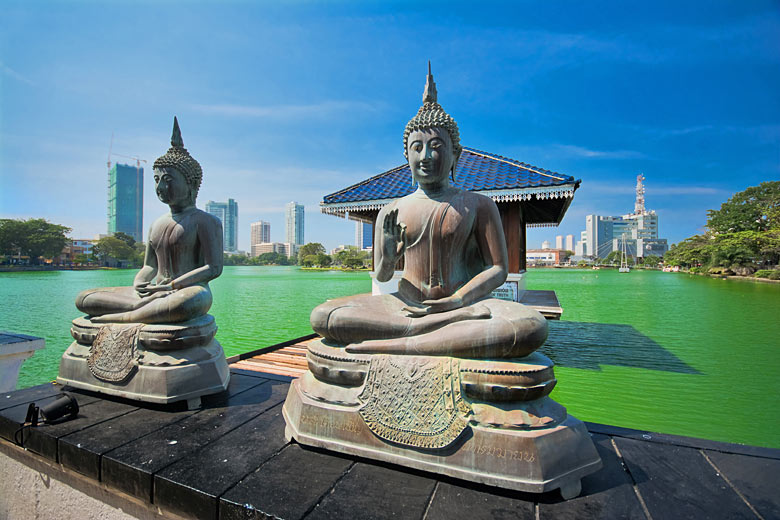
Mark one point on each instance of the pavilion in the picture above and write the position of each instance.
(526, 196)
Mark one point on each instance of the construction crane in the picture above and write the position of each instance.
(137, 160)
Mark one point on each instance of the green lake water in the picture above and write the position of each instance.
(672, 353)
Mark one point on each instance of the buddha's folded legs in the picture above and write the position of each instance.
(123, 305)
(353, 319)
(513, 330)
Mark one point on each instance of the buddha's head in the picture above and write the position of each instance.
(431, 140)
(177, 175)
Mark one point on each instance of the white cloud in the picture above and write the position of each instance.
(581, 151)
(8, 71)
(323, 109)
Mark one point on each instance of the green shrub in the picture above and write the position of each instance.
(763, 273)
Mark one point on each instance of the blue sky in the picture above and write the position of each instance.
(293, 101)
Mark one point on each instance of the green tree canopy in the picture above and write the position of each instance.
(112, 247)
(124, 237)
(312, 248)
(755, 209)
(35, 237)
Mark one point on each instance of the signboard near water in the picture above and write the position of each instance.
(507, 291)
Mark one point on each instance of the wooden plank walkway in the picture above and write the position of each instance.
(287, 361)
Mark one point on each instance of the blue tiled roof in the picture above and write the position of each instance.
(476, 171)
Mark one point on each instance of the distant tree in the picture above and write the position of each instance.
(272, 258)
(12, 236)
(353, 263)
(312, 248)
(612, 258)
(108, 248)
(139, 253)
(692, 252)
(81, 259)
(228, 259)
(124, 237)
(755, 209)
(35, 237)
(651, 261)
(323, 260)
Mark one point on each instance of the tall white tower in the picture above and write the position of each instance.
(639, 205)
(293, 213)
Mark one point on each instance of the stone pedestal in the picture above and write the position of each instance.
(165, 363)
(484, 421)
(14, 349)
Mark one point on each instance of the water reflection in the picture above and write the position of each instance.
(589, 345)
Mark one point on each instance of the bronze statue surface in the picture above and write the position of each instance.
(154, 341)
(183, 253)
(455, 255)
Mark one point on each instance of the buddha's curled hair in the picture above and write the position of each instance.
(432, 115)
(178, 157)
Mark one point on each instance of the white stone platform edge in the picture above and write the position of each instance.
(14, 350)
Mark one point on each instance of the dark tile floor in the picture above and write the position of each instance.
(229, 460)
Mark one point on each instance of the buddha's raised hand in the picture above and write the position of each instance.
(394, 236)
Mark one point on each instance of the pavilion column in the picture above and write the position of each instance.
(514, 233)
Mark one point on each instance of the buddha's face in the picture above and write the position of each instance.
(172, 188)
(430, 156)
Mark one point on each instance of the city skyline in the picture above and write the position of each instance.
(685, 95)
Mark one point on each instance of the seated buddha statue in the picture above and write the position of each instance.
(183, 253)
(455, 255)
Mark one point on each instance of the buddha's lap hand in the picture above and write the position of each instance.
(434, 306)
(145, 290)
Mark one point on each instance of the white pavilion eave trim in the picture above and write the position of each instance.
(342, 209)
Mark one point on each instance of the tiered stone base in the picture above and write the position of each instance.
(186, 364)
(515, 436)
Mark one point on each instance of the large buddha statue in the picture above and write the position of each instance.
(454, 254)
(183, 253)
(439, 375)
(154, 341)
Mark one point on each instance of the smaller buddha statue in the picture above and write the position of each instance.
(154, 341)
(183, 253)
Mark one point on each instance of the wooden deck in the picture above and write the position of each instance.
(546, 302)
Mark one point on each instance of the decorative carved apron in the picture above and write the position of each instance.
(112, 356)
(414, 401)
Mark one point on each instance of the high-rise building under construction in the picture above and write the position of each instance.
(126, 200)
